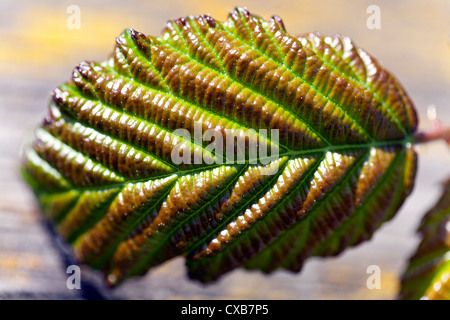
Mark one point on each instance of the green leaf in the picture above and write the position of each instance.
(338, 127)
(428, 273)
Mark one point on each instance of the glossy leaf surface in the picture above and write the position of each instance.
(428, 274)
(103, 168)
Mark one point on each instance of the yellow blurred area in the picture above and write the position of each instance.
(41, 40)
(414, 35)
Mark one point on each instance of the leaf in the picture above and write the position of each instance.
(338, 127)
(428, 273)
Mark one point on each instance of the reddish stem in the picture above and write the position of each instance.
(436, 133)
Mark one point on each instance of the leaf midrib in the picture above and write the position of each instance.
(290, 154)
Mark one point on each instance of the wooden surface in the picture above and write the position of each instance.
(38, 52)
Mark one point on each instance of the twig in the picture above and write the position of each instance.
(439, 133)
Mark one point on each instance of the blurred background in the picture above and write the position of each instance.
(38, 52)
